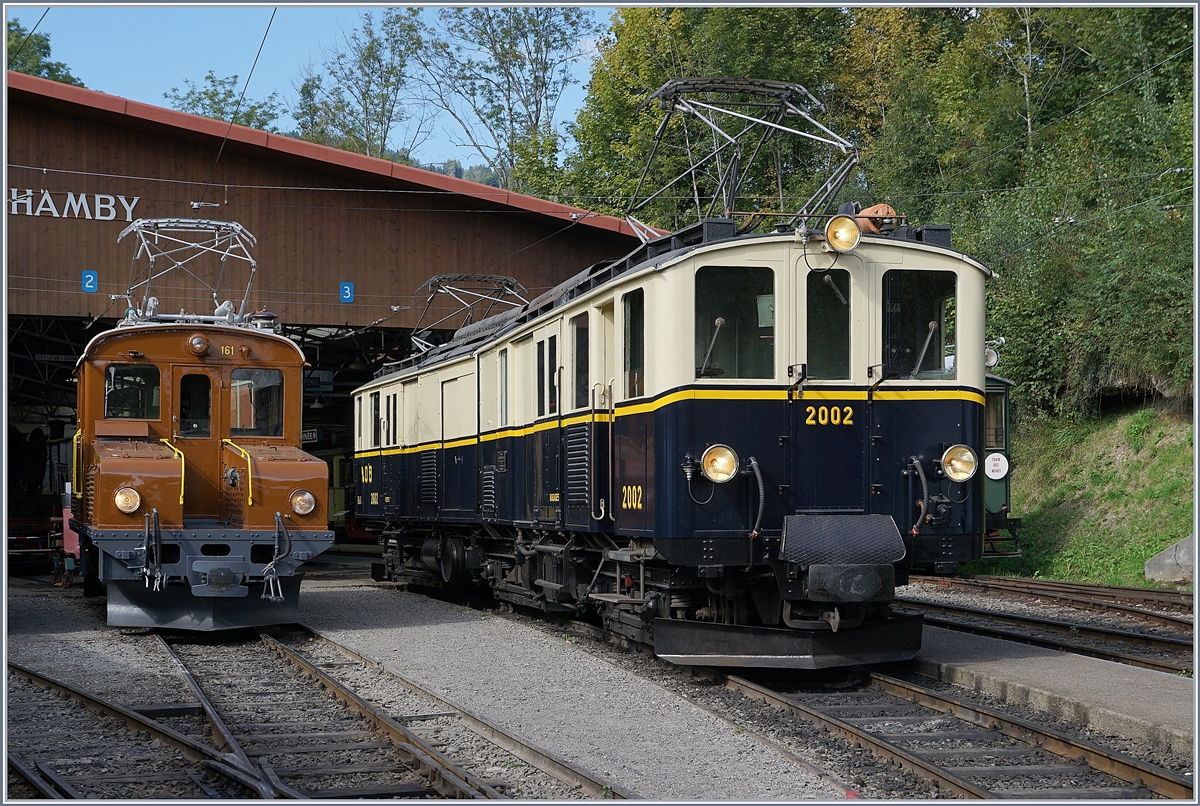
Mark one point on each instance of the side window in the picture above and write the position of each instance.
(994, 418)
(735, 322)
(635, 343)
(829, 324)
(579, 336)
(195, 418)
(376, 420)
(918, 324)
(552, 379)
(541, 379)
(256, 403)
(394, 421)
(358, 419)
(504, 386)
(131, 392)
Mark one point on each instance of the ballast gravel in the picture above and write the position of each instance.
(594, 714)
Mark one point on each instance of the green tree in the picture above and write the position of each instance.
(220, 99)
(362, 93)
(499, 73)
(31, 55)
(644, 48)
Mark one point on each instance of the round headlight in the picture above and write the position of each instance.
(303, 502)
(959, 463)
(719, 463)
(842, 233)
(127, 500)
(197, 344)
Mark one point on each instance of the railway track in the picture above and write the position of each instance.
(64, 742)
(269, 716)
(965, 749)
(1146, 605)
(1161, 653)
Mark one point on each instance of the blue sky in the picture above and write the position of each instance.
(140, 52)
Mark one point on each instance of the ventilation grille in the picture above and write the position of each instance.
(429, 477)
(578, 444)
(488, 504)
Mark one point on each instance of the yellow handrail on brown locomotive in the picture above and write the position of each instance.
(76, 460)
(249, 471)
(182, 466)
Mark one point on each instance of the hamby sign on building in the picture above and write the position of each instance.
(92, 206)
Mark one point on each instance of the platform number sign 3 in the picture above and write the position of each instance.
(346, 292)
(90, 281)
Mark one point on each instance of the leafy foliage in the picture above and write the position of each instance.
(499, 73)
(31, 55)
(362, 93)
(1058, 142)
(221, 99)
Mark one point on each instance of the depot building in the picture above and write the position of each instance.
(344, 245)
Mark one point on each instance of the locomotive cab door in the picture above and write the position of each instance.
(827, 407)
(545, 455)
(196, 430)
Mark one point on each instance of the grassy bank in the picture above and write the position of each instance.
(1098, 499)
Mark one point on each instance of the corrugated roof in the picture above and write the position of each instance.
(113, 109)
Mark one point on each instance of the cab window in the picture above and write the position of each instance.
(918, 324)
(829, 325)
(635, 343)
(256, 403)
(195, 419)
(735, 322)
(131, 392)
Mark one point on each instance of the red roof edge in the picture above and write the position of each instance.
(113, 104)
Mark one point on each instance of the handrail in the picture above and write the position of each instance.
(182, 466)
(249, 470)
(76, 460)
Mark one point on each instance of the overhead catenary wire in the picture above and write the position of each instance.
(25, 41)
(500, 193)
(1080, 222)
(238, 106)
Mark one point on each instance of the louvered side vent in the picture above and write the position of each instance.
(578, 464)
(89, 494)
(488, 504)
(429, 478)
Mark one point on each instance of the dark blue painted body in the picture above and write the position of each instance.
(828, 451)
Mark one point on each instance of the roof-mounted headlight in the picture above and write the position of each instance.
(719, 463)
(842, 233)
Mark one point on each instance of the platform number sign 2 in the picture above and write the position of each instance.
(90, 281)
(346, 292)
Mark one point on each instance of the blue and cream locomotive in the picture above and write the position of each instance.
(731, 446)
(734, 447)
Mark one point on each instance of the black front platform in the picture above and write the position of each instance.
(699, 643)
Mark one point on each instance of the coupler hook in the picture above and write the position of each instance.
(153, 542)
(272, 587)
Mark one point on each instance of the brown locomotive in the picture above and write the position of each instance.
(194, 504)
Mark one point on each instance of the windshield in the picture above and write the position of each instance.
(918, 331)
(735, 322)
(256, 403)
(131, 392)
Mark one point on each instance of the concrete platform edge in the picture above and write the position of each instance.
(1160, 737)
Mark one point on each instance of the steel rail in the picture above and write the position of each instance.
(919, 767)
(527, 751)
(442, 774)
(1182, 600)
(190, 749)
(1139, 773)
(1077, 600)
(1155, 642)
(33, 778)
(234, 756)
(1117, 765)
